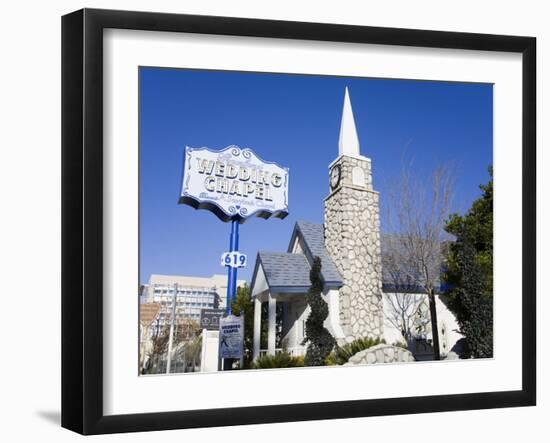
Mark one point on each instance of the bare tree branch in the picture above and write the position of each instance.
(412, 257)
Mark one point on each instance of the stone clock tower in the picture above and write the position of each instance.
(352, 234)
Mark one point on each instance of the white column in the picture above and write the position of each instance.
(257, 327)
(203, 350)
(271, 324)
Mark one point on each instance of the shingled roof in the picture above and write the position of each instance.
(285, 272)
(314, 245)
(288, 271)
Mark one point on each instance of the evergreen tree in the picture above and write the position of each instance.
(319, 340)
(469, 272)
(475, 228)
(475, 312)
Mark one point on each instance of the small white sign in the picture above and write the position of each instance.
(231, 336)
(234, 259)
(234, 183)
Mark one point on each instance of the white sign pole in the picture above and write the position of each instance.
(203, 350)
(171, 337)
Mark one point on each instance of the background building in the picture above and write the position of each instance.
(187, 351)
(193, 294)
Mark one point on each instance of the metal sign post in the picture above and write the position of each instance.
(231, 270)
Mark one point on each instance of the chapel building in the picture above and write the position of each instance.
(349, 246)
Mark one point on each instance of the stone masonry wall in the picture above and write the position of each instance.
(352, 238)
(380, 354)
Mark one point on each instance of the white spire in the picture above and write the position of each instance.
(348, 144)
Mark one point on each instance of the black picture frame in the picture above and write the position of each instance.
(82, 215)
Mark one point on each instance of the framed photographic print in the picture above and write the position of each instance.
(269, 221)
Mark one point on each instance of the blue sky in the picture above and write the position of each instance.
(293, 120)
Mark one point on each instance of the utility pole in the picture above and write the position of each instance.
(172, 323)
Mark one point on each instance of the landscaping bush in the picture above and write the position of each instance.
(280, 360)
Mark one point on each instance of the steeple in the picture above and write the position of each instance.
(348, 144)
(354, 246)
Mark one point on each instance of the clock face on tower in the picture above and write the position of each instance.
(334, 177)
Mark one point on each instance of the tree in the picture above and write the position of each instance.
(243, 305)
(186, 329)
(406, 310)
(186, 334)
(417, 212)
(475, 313)
(187, 345)
(469, 272)
(157, 349)
(319, 340)
(187, 354)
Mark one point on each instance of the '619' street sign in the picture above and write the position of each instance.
(234, 259)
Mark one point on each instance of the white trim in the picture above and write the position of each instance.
(260, 282)
(332, 322)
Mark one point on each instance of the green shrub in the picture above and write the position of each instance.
(331, 359)
(280, 360)
(299, 360)
(342, 354)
